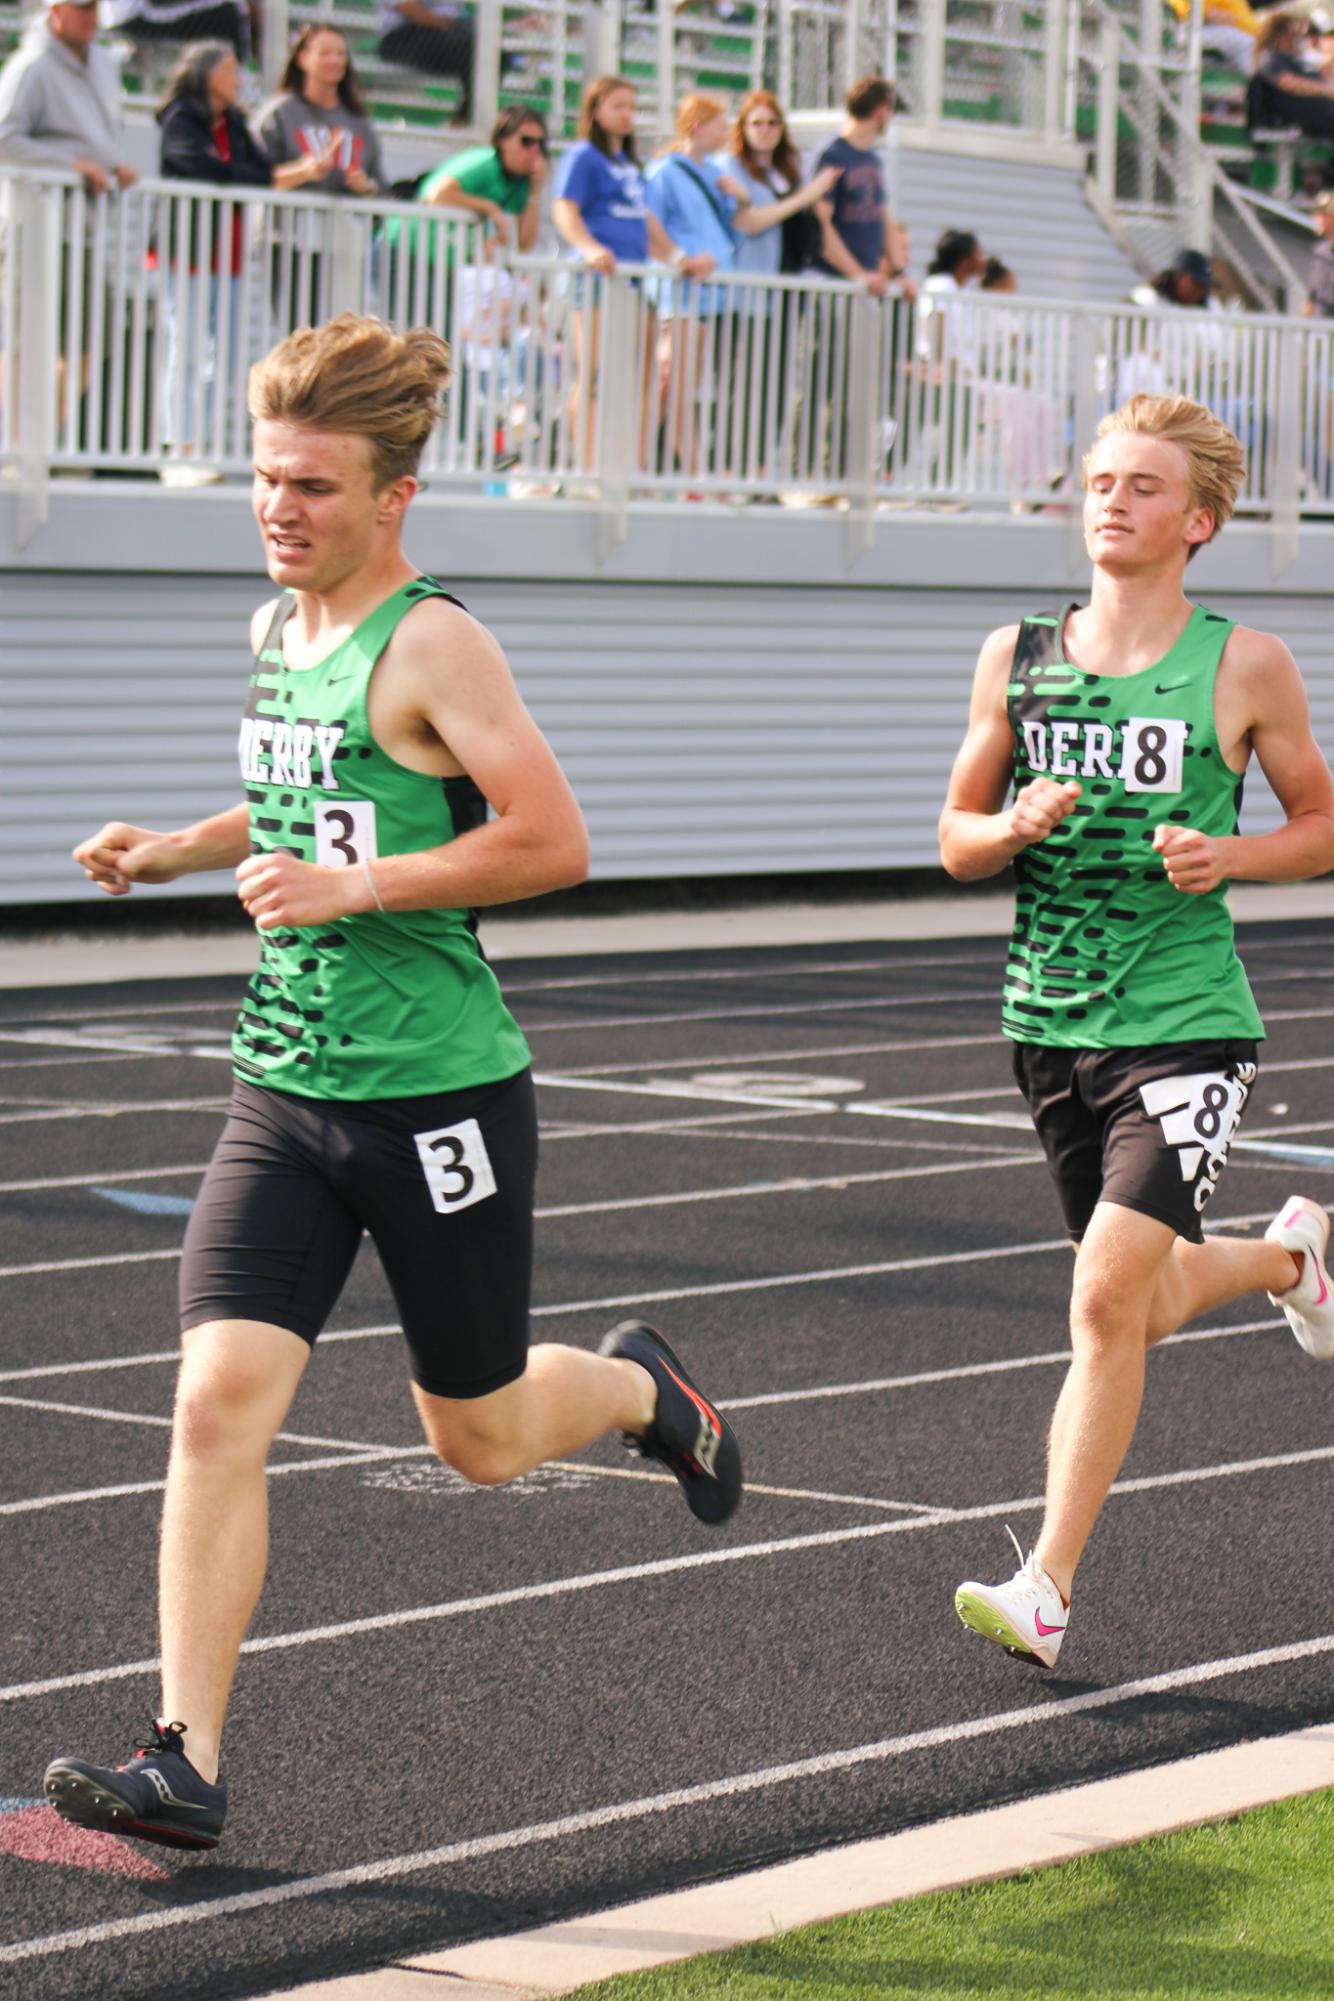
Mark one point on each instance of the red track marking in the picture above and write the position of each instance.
(37, 1834)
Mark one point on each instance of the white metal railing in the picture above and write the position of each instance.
(128, 324)
(1151, 166)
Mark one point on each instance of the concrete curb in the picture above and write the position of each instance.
(93, 961)
(973, 1848)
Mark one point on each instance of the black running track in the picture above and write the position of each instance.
(464, 1711)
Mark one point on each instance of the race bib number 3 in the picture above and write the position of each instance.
(1151, 754)
(344, 833)
(456, 1164)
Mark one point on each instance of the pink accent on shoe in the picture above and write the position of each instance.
(1043, 1629)
(1291, 1220)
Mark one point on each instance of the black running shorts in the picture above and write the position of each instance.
(1148, 1129)
(443, 1184)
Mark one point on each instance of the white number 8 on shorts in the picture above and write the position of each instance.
(457, 1167)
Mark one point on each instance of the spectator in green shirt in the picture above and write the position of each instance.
(500, 180)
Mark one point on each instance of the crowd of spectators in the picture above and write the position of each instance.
(728, 194)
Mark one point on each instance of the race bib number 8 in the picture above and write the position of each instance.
(1151, 753)
(457, 1167)
(344, 833)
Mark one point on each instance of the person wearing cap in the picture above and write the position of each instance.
(59, 99)
(1320, 270)
(1187, 281)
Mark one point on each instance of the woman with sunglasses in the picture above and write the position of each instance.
(500, 180)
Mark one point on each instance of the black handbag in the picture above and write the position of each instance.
(803, 241)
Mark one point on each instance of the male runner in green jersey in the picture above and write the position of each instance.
(1124, 727)
(381, 1083)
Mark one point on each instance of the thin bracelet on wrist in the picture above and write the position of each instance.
(370, 884)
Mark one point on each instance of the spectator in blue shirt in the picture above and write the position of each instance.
(695, 201)
(861, 239)
(601, 210)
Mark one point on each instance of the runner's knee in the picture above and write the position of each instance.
(227, 1403)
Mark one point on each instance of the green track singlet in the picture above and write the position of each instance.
(1106, 954)
(378, 1005)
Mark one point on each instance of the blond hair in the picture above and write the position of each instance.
(1215, 461)
(356, 376)
(696, 110)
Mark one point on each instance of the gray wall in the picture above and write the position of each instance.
(708, 728)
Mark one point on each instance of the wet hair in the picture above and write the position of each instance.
(512, 121)
(1216, 463)
(356, 376)
(188, 82)
(954, 248)
(786, 159)
(293, 79)
(868, 95)
(590, 127)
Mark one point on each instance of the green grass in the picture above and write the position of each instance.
(1241, 1909)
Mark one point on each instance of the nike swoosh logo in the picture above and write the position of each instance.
(1171, 687)
(1044, 1630)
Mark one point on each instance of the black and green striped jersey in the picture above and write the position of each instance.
(1106, 954)
(382, 1004)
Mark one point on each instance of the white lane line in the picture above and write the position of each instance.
(804, 1055)
(563, 1587)
(13, 1063)
(113, 1110)
(1256, 1140)
(962, 1371)
(113, 1416)
(1035, 1716)
(110, 1174)
(689, 1127)
(795, 1186)
(868, 1004)
(686, 974)
(364, 1455)
(748, 1189)
(550, 1080)
(958, 1373)
(54, 1038)
(915, 1045)
(88, 1264)
(872, 1003)
(877, 1501)
(375, 1455)
(718, 1289)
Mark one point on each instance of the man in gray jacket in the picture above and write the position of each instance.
(58, 99)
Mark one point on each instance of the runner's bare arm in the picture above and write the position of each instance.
(1262, 703)
(979, 835)
(453, 676)
(117, 856)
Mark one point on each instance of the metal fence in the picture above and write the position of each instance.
(128, 324)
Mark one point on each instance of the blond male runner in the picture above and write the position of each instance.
(1124, 727)
(380, 1081)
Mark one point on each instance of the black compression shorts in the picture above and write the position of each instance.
(443, 1184)
(1146, 1128)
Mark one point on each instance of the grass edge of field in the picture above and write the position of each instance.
(1208, 1912)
